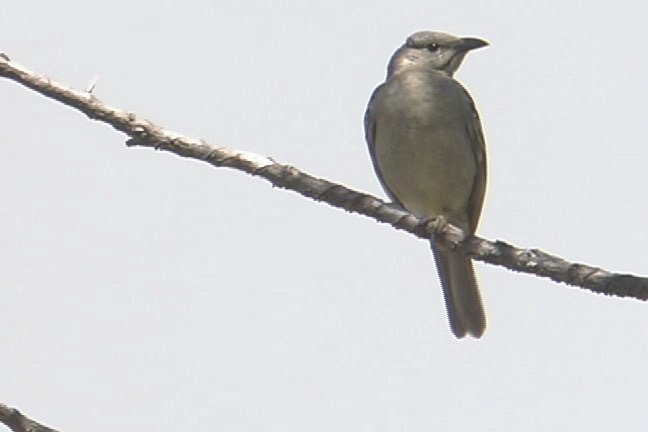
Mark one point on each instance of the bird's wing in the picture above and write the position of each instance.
(476, 133)
(370, 126)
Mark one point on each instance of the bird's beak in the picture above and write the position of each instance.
(467, 44)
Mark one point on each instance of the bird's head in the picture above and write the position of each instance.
(439, 51)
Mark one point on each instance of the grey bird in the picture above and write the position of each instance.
(428, 151)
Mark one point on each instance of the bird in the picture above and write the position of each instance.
(428, 151)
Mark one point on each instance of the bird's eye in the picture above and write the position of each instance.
(433, 47)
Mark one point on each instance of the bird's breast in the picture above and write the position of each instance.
(422, 145)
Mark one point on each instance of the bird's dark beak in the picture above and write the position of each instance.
(467, 44)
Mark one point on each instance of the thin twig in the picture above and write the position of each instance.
(18, 422)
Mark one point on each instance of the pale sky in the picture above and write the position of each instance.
(142, 291)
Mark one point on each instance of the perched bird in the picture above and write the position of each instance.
(428, 151)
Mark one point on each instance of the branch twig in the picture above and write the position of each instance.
(18, 422)
(146, 134)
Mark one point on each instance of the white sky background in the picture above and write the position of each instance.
(141, 291)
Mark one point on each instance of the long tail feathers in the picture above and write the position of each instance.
(461, 293)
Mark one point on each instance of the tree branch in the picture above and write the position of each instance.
(146, 134)
(18, 422)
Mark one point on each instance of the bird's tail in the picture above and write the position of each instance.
(461, 293)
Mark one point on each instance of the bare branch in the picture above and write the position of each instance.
(146, 134)
(18, 422)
